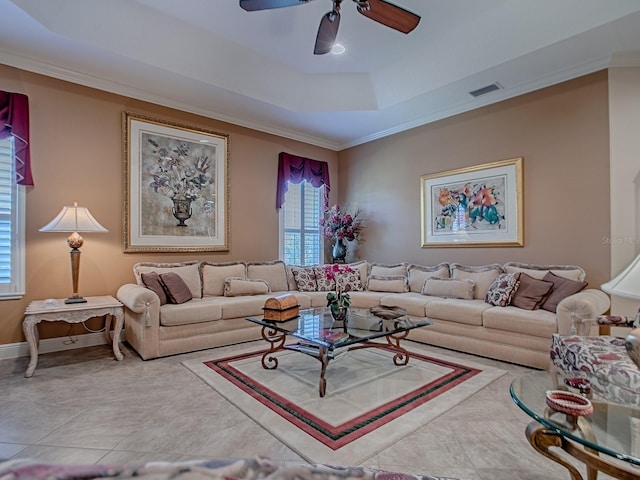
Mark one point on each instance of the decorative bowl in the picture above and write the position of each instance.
(569, 403)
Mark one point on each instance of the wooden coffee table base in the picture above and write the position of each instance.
(542, 439)
(277, 342)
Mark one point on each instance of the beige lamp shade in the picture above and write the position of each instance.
(627, 283)
(74, 219)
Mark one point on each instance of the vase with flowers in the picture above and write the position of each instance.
(341, 226)
(339, 300)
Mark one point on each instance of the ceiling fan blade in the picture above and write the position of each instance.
(253, 5)
(327, 33)
(391, 15)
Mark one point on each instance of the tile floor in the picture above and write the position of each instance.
(82, 406)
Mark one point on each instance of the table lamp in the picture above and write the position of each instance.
(627, 285)
(74, 219)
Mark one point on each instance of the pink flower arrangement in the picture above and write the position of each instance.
(338, 298)
(340, 224)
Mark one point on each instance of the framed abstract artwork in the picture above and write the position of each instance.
(175, 187)
(479, 206)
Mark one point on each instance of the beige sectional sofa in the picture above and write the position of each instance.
(224, 294)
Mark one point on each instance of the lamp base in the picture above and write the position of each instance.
(75, 300)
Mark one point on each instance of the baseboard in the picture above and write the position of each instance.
(48, 345)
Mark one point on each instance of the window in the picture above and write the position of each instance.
(12, 200)
(300, 233)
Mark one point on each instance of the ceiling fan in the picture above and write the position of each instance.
(380, 11)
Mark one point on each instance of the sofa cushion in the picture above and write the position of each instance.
(414, 303)
(419, 273)
(390, 283)
(482, 275)
(238, 287)
(275, 274)
(214, 274)
(198, 310)
(387, 270)
(305, 278)
(572, 272)
(538, 323)
(448, 288)
(242, 307)
(562, 288)
(531, 292)
(151, 280)
(502, 289)
(177, 291)
(468, 312)
(188, 271)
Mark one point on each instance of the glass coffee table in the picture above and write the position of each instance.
(321, 337)
(613, 429)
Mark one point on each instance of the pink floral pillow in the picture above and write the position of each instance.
(326, 283)
(502, 289)
(305, 278)
(349, 281)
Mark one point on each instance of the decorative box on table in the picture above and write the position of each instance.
(281, 308)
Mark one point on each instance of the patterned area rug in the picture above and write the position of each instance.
(370, 403)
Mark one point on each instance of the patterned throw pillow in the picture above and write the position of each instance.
(349, 281)
(502, 289)
(324, 284)
(305, 278)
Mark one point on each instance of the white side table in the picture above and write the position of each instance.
(37, 311)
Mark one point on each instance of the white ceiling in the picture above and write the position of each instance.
(257, 69)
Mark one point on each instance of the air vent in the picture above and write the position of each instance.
(488, 89)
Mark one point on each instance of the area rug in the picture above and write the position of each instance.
(369, 405)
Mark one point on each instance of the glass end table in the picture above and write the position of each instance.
(609, 430)
(320, 336)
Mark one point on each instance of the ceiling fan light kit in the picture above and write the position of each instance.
(380, 11)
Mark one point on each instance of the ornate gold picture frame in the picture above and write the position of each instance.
(176, 195)
(480, 206)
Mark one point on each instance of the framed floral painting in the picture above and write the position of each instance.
(175, 187)
(479, 206)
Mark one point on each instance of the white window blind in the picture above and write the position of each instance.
(301, 237)
(12, 200)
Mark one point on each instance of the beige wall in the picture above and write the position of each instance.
(563, 134)
(76, 150)
(624, 111)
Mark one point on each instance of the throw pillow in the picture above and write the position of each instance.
(151, 280)
(177, 290)
(482, 275)
(349, 282)
(531, 293)
(418, 274)
(386, 270)
(449, 288)
(214, 274)
(188, 271)
(305, 278)
(324, 284)
(502, 289)
(238, 287)
(562, 288)
(391, 283)
(275, 273)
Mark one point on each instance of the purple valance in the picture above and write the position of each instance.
(294, 169)
(14, 121)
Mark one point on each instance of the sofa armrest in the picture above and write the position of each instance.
(582, 307)
(140, 300)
